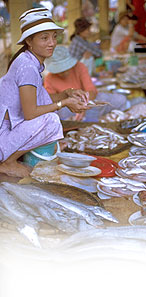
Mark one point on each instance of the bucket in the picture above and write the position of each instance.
(42, 153)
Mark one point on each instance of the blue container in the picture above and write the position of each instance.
(45, 150)
(113, 65)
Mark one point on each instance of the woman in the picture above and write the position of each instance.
(66, 72)
(80, 47)
(27, 115)
(124, 37)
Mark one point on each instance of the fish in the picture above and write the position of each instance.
(20, 217)
(140, 220)
(79, 209)
(135, 170)
(111, 182)
(132, 182)
(107, 215)
(36, 195)
(52, 217)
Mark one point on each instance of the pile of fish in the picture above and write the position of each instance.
(114, 116)
(136, 77)
(94, 137)
(134, 112)
(131, 178)
(27, 207)
(133, 167)
(137, 150)
(118, 187)
(138, 139)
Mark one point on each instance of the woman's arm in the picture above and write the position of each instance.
(30, 109)
(128, 2)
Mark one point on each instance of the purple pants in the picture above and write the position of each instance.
(29, 134)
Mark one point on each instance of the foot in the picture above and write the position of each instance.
(15, 169)
(63, 145)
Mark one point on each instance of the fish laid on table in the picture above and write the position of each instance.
(65, 209)
(133, 161)
(138, 139)
(133, 167)
(25, 222)
(39, 198)
(94, 137)
(119, 186)
(137, 150)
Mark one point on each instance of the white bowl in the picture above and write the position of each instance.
(75, 159)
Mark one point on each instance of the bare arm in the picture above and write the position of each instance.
(31, 110)
(84, 96)
(128, 2)
(141, 37)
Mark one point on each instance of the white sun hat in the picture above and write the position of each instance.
(60, 61)
(36, 20)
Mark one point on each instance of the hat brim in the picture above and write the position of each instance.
(38, 28)
(60, 66)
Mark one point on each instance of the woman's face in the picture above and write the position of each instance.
(85, 34)
(63, 74)
(124, 21)
(42, 44)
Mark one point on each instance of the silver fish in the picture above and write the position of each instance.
(107, 215)
(135, 170)
(36, 195)
(21, 218)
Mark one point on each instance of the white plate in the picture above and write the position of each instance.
(135, 216)
(86, 171)
(85, 183)
(136, 199)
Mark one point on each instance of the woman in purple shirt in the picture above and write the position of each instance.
(27, 114)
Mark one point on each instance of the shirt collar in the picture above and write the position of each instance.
(40, 66)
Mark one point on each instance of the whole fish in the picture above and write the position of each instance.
(21, 218)
(80, 210)
(37, 195)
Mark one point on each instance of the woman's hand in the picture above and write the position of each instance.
(75, 104)
(78, 94)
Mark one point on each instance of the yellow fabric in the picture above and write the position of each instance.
(119, 156)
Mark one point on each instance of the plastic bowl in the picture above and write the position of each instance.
(75, 160)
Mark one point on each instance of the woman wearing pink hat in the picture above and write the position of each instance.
(28, 116)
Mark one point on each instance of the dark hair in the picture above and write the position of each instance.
(81, 24)
(122, 15)
(133, 17)
(21, 50)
